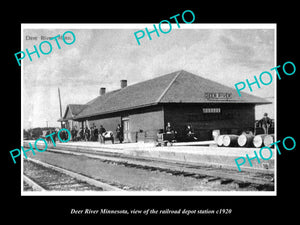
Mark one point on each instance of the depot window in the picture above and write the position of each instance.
(211, 110)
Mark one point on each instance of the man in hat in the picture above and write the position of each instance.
(119, 132)
(265, 123)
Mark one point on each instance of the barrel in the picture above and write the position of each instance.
(268, 140)
(258, 140)
(230, 140)
(245, 140)
(220, 140)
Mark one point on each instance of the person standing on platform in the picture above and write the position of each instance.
(101, 134)
(265, 123)
(92, 133)
(96, 133)
(119, 133)
(87, 134)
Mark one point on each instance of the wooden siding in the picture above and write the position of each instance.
(233, 118)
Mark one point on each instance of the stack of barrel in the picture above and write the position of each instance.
(245, 140)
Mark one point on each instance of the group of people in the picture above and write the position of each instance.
(95, 134)
(63, 135)
(188, 132)
(101, 134)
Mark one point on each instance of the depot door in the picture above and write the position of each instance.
(125, 125)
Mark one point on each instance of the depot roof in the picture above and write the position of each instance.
(73, 109)
(177, 87)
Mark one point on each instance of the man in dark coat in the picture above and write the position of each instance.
(74, 133)
(265, 123)
(87, 134)
(96, 133)
(119, 132)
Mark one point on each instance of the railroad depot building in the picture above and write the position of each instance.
(180, 98)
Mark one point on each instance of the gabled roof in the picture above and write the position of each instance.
(72, 110)
(177, 87)
(190, 88)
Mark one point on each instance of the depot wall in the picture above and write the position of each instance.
(109, 122)
(144, 123)
(204, 118)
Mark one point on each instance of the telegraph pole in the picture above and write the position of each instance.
(60, 107)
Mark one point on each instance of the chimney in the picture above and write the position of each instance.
(123, 83)
(102, 91)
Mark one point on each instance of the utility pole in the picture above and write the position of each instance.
(60, 108)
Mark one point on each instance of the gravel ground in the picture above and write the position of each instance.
(53, 180)
(27, 187)
(135, 178)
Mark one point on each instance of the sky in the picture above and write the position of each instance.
(103, 57)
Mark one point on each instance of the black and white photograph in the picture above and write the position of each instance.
(145, 109)
(149, 111)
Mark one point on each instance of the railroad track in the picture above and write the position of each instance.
(41, 176)
(257, 180)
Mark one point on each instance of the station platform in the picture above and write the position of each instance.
(193, 153)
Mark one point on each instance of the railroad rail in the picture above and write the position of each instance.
(32, 184)
(46, 177)
(258, 180)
